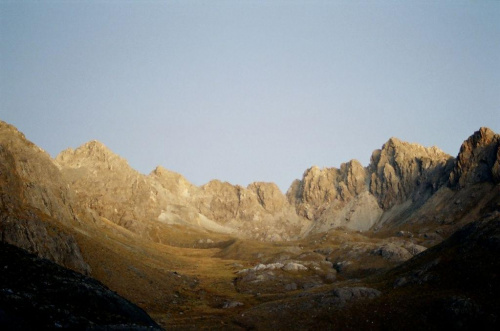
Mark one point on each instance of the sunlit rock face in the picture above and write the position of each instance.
(37, 207)
(401, 171)
(321, 187)
(356, 197)
(105, 183)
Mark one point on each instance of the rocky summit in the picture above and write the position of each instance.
(347, 247)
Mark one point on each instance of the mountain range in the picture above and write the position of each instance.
(347, 247)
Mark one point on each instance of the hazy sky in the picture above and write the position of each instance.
(247, 91)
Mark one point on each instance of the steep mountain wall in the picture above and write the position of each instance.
(37, 209)
(401, 171)
(478, 160)
(398, 182)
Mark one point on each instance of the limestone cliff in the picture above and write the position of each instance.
(356, 197)
(401, 171)
(478, 160)
(106, 184)
(269, 196)
(37, 209)
(320, 187)
(259, 211)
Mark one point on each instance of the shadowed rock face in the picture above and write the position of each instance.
(478, 160)
(38, 294)
(40, 237)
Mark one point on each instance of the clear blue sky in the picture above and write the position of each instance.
(247, 91)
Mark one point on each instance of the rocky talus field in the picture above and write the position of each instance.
(409, 242)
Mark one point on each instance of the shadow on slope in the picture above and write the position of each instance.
(39, 294)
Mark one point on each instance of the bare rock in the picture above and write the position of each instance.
(37, 208)
(400, 171)
(478, 160)
(320, 187)
(105, 183)
(393, 253)
(176, 184)
(293, 266)
(44, 240)
(269, 196)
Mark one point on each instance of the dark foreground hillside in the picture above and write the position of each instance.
(454, 285)
(38, 294)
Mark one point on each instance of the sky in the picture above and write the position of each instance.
(245, 91)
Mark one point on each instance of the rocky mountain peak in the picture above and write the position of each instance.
(321, 187)
(35, 200)
(270, 196)
(92, 154)
(401, 169)
(12, 136)
(478, 160)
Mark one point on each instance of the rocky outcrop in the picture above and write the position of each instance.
(356, 197)
(478, 160)
(41, 238)
(320, 187)
(179, 190)
(259, 211)
(37, 208)
(401, 171)
(269, 196)
(106, 184)
(224, 202)
(29, 177)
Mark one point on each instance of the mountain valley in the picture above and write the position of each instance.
(409, 241)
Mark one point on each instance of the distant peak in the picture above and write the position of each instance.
(397, 144)
(484, 136)
(484, 133)
(92, 151)
(394, 142)
(94, 144)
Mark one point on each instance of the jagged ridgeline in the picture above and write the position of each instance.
(168, 245)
